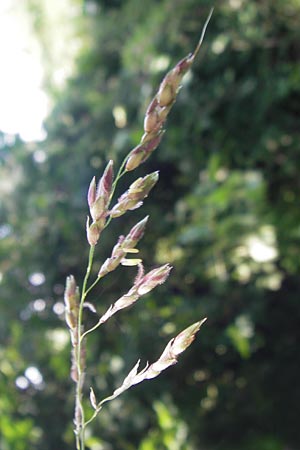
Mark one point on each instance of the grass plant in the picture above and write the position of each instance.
(103, 208)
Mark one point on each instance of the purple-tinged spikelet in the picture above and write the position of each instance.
(98, 201)
(123, 246)
(134, 196)
(142, 285)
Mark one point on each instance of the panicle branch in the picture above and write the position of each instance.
(168, 358)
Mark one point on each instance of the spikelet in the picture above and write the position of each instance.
(98, 201)
(124, 245)
(142, 285)
(71, 298)
(134, 196)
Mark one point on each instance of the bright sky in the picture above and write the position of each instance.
(23, 104)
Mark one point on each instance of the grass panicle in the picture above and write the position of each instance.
(99, 199)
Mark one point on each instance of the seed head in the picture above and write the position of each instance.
(186, 337)
(153, 279)
(123, 245)
(160, 106)
(135, 234)
(92, 192)
(71, 297)
(142, 285)
(134, 196)
(98, 199)
(142, 151)
(94, 230)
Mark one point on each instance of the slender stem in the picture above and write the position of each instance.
(92, 417)
(92, 286)
(99, 407)
(91, 329)
(79, 410)
(88, 272)
(120, 173)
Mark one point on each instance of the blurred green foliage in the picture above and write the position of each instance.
(225, 214)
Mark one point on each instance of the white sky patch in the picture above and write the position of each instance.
(58, 338)
(39, 305)
(262, 247)
(260, 251)
(22, 382)
(37, 278)
(120, 116)
(59, 308)
(23, 103)
(34, 375)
